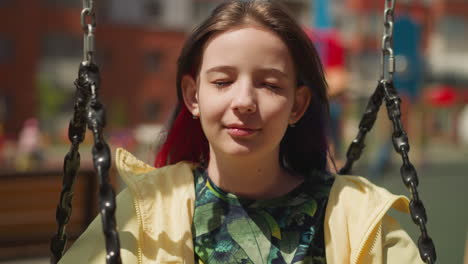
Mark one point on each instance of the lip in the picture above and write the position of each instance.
(240, 130)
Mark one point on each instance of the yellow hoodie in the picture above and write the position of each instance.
(154, 218)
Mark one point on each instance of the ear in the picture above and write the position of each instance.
(190, 95)
(301, 103)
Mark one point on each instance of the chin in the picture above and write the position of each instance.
(236, 148)
(241, 148)
(239, 151)
(233, 148)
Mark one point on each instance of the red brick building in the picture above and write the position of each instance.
(44, 38)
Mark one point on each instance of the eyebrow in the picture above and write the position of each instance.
(226, 68)
(222, 68)
(274, 71)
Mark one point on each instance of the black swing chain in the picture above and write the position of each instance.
(76, 134)
(386, 91)
(365, 125)
(102, 162)
(409, 174)
(88, 111)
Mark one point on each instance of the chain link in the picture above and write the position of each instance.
(89, 77)
(76, 134)
(367, 122)
(88, 24)
(386, 91)
(388, 58)
(408, 173)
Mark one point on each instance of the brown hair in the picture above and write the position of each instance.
(303, 147)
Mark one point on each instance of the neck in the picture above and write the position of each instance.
(254, 177)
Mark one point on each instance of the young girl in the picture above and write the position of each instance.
(242, 174)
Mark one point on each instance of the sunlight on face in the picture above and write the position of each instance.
(246, 91)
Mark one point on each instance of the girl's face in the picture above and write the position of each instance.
(245, 93)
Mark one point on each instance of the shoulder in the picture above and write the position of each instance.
(141, 177)
(360, 203)
(355, 212)
(161, 196)
(348, 192)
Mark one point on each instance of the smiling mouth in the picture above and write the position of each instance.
(241, 131)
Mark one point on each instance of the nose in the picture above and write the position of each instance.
(244, 99)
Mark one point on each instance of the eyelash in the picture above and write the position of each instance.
(221, 84)
(270, 86)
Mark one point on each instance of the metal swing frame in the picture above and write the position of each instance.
(89, 112)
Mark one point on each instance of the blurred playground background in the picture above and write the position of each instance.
(137, 44)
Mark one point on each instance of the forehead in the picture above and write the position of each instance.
(247, 46)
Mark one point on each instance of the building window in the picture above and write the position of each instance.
(454, 32)
(153, 8)
(6, 50)
(153, 61)
(5, 107)
(62, 45)
(427, 2)
(61, 54)
(64, 3)
(4, 3)
(152, 110)
(202, 9)
(103, 59)
(448, 51)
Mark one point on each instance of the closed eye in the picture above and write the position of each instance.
(270, 86)
(221, 84)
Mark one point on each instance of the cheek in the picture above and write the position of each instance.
(211, 105)
(277, 109)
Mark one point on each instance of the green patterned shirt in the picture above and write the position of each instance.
(287, 229)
